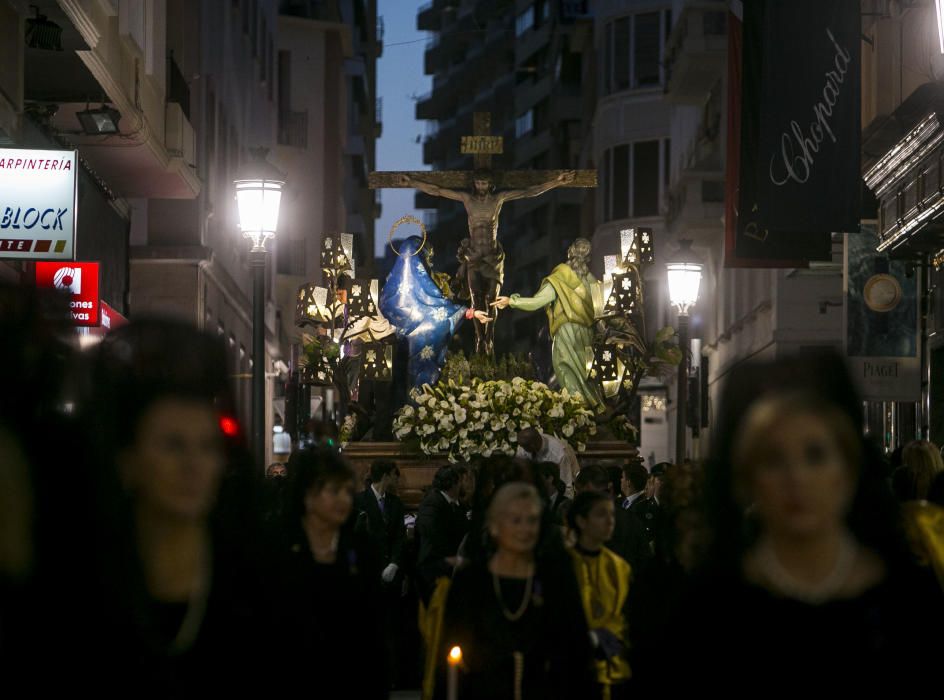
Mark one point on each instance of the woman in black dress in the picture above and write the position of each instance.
(807, 581)
(329, 623)
(181, 586)
(516, 614)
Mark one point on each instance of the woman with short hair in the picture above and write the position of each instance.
(516, 613)
(329, 615)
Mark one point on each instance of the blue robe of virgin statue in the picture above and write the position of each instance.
(413, 303)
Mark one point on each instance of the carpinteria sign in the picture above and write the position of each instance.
(37, 204)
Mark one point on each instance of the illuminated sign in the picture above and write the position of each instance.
(37, 204)
(80, 281)
(111, 319)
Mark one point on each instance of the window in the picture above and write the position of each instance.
(634, 179)
(524, 124)
(647, 54)
(524, 21)
(633, 51)
(646, 181)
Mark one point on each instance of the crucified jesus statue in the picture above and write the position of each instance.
(481, 258)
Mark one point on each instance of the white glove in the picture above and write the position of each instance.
(389, 573)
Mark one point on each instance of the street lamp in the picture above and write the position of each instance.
(684, 276)
(258, 196)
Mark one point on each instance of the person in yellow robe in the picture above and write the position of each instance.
(571, 295)
(604, 579)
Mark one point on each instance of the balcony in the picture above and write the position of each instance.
(696, 53)
(179, 138)
(531, 41)
(528, 94)
(177, 89)
(695, 202)
(154, 153)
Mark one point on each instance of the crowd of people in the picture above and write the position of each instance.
(141, 552)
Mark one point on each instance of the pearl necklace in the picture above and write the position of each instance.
(804, 591)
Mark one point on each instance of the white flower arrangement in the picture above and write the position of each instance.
(485, 417)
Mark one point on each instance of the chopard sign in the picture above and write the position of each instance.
(799, 148)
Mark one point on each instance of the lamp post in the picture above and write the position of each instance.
(683, 270)
(258, 196)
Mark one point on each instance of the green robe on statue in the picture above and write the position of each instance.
(569, 299)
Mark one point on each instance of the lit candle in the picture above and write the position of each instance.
(455, 658)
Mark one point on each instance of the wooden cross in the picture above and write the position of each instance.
(482, 145)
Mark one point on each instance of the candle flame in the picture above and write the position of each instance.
(455, 655)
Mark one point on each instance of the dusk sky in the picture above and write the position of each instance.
(400, 79)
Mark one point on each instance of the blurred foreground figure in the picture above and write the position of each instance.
(181, 582)
(807, 580)
(46, 500)
(517, 614)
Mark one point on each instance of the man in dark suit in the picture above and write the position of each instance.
(647, 507)
(441, 523)
(557, 503)
(380, 516)
(629, 536)
(633, 488)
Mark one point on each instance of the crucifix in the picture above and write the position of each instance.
(483, 191)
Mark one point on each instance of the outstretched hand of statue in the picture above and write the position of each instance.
(501, 302)
(567, 177)
(482, 317)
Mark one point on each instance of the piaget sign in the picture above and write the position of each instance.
(37, 204)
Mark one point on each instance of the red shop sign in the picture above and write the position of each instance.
(80, 281)
(111, 319)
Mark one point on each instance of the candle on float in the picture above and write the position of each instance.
(452, 686)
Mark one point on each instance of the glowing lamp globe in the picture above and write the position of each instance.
(684, 276)
(258, 197)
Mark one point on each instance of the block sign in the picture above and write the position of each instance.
(80, 281)
(37, 204)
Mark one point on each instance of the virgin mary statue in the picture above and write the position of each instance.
(421, 313)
